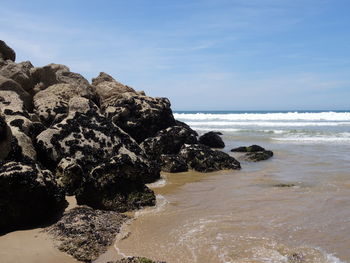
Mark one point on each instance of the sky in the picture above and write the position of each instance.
(202, 55)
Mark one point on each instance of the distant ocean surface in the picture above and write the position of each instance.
(300, 126)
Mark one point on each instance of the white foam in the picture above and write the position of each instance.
(157, 184)
(313, 139)
(208, 124)
(288, 116)
(161, 202)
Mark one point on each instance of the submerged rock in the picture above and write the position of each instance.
(203, 159)
(86, 233)
(212, 139)
(6, 52)
(252, 148)
(173, 163)
(28, 195)
(284, 185)
(136, 260)
(253, 153)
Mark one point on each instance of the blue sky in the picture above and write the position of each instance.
(203, 55)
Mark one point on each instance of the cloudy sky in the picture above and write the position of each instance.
(203, 55)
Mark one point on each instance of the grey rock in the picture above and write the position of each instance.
(22, 128)
(51, 104)
(19, 72)
(44, 77)
(139, 115)
(11, 85)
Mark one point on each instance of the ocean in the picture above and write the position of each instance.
(241, 216)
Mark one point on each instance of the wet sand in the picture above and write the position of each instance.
(240, 216)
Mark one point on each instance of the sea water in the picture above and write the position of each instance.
(243, 216)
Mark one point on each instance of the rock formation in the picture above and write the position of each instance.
(212, 139)
(253, 153)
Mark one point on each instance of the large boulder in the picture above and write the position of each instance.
(22, 127)
(118, 184)
(19, 72)
(44, 77)
(203, 159)
(253, 153)
(139, 115)
(6, 53)
(83, 140)
(5, 138)
(168, 141)
(107, 88)
(28, 195)
(51, 104)
(86, 233)
(212, 139)
(11, 85)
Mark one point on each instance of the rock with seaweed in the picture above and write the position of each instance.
(29, 196)
(203, 159)
(253, 153)
(86, 233)
(139, 115)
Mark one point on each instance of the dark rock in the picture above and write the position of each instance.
(212, 139)
(203, 159)
(6, 52)
(86, 233)
(11, 85)
(136, 260)
(5, 138)
(19, 72)
(118, 184)
(85, 140)
(254, 153)
(168, 141)
(138, 115)
(284, 185)
(182, 124)
(28, 195)
(173, 164)
(258, 156)
(252, 148)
